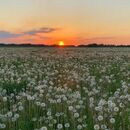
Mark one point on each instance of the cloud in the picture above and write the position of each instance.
(41, 30)
(95, 38)
(101, 38)
(6, 34)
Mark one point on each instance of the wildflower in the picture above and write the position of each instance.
(2, 126)
(76, 115)
(43, 128)
(4, 99)
(116, 109)
(100, 118)
(96, 127)
(59, 126)
(79, 127)
(112, 120)
(67, 125)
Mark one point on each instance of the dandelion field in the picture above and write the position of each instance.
(64, 88)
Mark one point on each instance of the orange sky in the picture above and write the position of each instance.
(72, 21)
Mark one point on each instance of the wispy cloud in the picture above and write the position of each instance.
(6, 34)
(96, 38)
(101, 38)
(41, 30)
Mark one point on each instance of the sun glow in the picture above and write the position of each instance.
(61, 43)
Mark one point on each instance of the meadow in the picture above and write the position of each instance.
(64, 88)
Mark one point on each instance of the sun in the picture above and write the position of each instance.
(61, 43)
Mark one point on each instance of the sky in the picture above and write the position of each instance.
(72, 21)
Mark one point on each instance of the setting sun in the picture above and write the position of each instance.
(61, 43)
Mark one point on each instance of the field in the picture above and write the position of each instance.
(64, 88)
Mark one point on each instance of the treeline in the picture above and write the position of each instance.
(103, 45)
(44, 45)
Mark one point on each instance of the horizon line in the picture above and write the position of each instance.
(67, 45)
